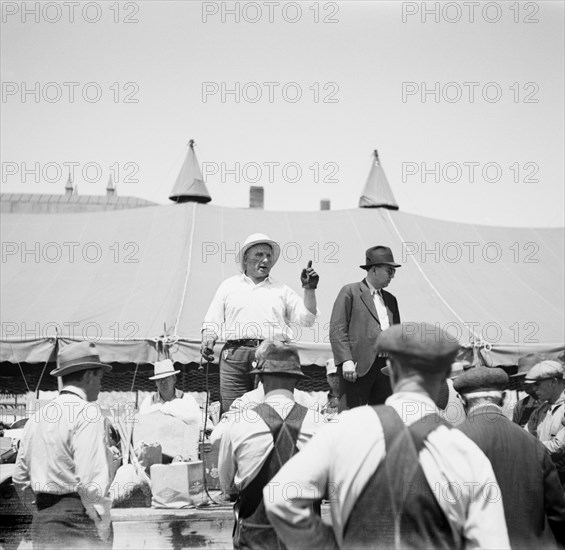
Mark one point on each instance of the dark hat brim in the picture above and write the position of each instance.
(63, 371)
(279, 367)
(367, 266)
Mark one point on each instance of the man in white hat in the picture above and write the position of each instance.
(546, 422)
(168, 399)
(64, 461)
(252, 307)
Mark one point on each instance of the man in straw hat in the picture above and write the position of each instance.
(397, 476)
(531, 492)
(360, 313)
(165, 377)
(64, 461)
(253, 448)
(546, 422)
(252, 307)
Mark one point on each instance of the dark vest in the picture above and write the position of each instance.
(252, 529)
(397, 508)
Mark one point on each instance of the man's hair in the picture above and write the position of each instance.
(410, 363)
(76, 376)
(484, 397)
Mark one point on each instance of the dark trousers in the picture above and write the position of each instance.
(235, 363)
(61, 522)
(371, 389)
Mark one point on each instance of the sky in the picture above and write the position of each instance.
(463, 100)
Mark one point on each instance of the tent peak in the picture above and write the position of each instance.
(377, 192)
(189, 185)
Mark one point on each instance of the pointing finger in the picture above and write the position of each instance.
(309, 264)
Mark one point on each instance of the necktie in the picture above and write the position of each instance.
(381, 309)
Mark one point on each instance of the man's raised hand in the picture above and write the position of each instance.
(309, 277)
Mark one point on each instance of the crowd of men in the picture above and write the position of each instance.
(395, 468)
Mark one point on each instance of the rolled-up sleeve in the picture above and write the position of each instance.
(296, 312)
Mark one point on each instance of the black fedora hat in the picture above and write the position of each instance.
(379, 255)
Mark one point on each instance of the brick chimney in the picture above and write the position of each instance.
(325, 204)
(256, 197)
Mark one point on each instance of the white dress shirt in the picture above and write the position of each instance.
(382, 311)
(341, 458)
(247, 443)
(242, 309)
(251, 399)
(64, 449)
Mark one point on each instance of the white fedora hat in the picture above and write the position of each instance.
(163, 369)
(258, 238)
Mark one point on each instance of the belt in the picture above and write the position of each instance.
(45, 500)
(249, 342)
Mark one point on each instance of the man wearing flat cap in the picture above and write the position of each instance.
(396, 476)
(252, 307)
(254, 448)
(546, 422)
(64, 461)
(524, 408)
(360, 313)
(531, 492)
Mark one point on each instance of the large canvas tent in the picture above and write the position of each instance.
(136, 280)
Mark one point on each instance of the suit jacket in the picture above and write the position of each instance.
(355, 326)
(529, 482)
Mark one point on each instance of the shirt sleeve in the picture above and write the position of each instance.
(296, 312)
(20, 476)
(90, 451)
(290, 495)
(226, 463)
(556, 445)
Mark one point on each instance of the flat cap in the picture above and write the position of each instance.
(481, 379)
(422, 341)
(543, 370)
(526, 362)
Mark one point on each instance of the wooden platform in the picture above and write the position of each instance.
(150, 528)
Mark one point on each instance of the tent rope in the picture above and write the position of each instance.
(21, 370)
(426, 278)
(187, 273)
(40, 379)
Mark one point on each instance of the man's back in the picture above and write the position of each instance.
(528, 481)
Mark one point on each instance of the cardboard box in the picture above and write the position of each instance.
(177, 485)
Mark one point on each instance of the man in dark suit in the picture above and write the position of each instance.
(528, 480)
(361, 312)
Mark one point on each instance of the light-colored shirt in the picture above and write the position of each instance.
(242, 309)
(246, 444)
(341, 458)
(548, 420)
(382, 311)
(64, 449)
(251, 399)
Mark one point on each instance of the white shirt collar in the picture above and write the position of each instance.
(372, 288)
(249, 280)
(79, 392)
